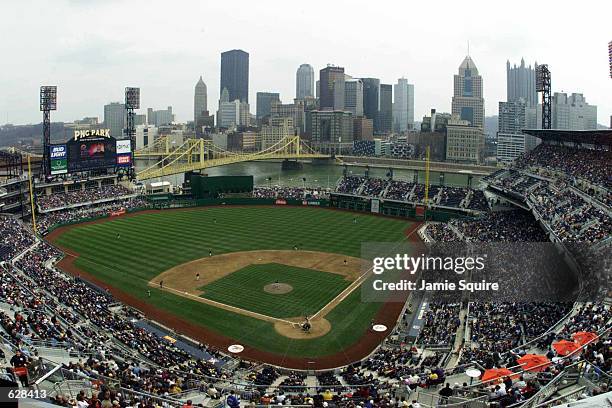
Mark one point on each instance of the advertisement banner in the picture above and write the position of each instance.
(124, 146)
(58, 157)
(118, 212)
(59, 166)
(375, 206)
(124, 160)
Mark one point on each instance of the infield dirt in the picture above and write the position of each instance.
(387, 315)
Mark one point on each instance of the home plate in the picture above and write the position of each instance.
(235, 348)
(379, 328)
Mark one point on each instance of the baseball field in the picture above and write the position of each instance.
(243, 275)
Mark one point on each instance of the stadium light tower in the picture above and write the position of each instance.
(132, 101)
(543, 84)
(48, 102)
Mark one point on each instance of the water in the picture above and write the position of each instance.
(316, 175)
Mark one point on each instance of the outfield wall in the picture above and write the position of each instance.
(358, 204)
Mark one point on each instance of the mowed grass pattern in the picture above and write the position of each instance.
(127, 252)
(245, 289)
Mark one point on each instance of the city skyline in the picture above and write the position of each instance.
(103, 60)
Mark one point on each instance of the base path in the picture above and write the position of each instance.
(186, 279)
(387, 314)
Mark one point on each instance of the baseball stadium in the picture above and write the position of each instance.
(118, 285)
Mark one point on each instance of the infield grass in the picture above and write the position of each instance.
(245, 289)
(127, 252)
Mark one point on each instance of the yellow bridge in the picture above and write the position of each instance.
(197, 154)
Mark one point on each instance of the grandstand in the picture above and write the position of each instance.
(81, 344)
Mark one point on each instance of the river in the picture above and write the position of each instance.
(316, 175)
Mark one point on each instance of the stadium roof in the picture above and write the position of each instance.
(596, 137)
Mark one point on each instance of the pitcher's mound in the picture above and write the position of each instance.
(319, 327)
(278, 288)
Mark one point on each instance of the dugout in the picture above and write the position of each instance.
(203, 186)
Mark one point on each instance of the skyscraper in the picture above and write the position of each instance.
(403, 106)
(353, 96)
(572, 112)
(385, 109)
(200, 101)
(510, 140)
(521, 83)
(331, 131)
(264, 103)
(468, 102)
(332, 88)
(464, 143)
(114, 118)
(235, 74)
(160, 117)
(304, 81)
(370, 98)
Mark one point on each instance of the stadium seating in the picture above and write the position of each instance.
(40, 305)
(399, 190)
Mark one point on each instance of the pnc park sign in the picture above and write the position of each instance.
(83, 134)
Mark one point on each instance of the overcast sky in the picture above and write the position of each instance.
(92, 49)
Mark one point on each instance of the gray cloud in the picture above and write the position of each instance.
(93, 49)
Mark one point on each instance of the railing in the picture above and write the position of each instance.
(431, 400)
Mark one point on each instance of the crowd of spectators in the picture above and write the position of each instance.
(350, 184)
(399, 190)
(84, 319)
(81, 197)
(556, 182)
(373, 187)
(503, 226)
(589, 164)
(13, 239)
(448, 196)
(571, 218)
(452, 196)
(293, 193)
(441, 324)
(46, 221)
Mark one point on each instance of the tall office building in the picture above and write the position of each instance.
(200, 101)
(264, 103)
(385, 109)
(235, 74)
(510, 139)
(403, 106)
(353, 96)
(464, 143)
(232, 114)
(114, 118)
(304, 81)
(520, 83)
(160, 117)
(274, 132)
(468, 102)
(572, 112)
(331, 131)
(519, 112)
(371, 93)
(295, 111)
(332, 88)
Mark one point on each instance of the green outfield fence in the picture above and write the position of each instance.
(358, 204)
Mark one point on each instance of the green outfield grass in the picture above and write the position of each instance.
(128, 252)
(245, 289)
